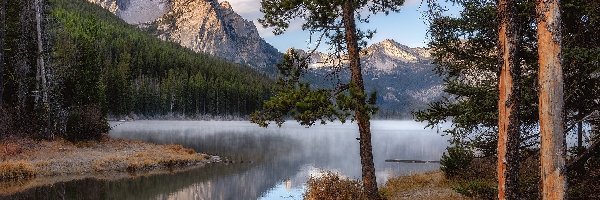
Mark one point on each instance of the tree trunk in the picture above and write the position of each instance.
(551, 102)
(357, 89)
(508, 103)
(40, 53)
(580, 137)
(3, 11)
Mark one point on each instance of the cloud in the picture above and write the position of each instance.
(412, 2)
(249, 9)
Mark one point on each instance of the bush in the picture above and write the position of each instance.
(455, 160)
(478, 189)
(330, 186)
(86, 123)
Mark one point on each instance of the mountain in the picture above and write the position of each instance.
(101, 60)
(403, 77)
(201, 25)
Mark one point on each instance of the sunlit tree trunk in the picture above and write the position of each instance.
(508, 103)
(362, 117)
(551, 102)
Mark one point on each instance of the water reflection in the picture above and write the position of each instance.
(271, 163)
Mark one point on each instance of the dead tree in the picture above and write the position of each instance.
(508, 103)
(551, 103)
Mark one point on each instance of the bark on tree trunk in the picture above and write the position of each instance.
(362, 117)
(40, 53)
(2, 38)
(580, 137)
(551, 102)
(508, 104)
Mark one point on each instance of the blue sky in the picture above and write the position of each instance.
(406, 27)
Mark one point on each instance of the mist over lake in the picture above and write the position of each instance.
(280, 160)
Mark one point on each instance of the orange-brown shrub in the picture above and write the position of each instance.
(330, 186)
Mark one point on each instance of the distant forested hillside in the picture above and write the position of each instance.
(137, 72)
(92, 59)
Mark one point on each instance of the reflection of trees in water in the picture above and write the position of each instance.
(237, 146)
(275, 155)
(271, 165)
(217, 181)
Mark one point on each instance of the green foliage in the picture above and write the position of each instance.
(94, 58)
(104, 61)
(464, 51)
(322, 15)
(478, 189)
(299, 101)
(86, 123)
(455, 160)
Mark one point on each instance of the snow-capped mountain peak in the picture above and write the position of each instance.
(394, 50)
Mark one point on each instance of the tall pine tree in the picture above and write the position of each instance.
(336, 21)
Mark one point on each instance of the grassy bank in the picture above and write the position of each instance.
(423, 186)
(23, 160)
(431, 185)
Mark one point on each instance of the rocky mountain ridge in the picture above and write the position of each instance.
(403, 77)
(201, 25)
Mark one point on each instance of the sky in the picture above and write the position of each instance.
(407, 27)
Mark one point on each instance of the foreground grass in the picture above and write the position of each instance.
(424, 186)
(24, 159)
(431, 185)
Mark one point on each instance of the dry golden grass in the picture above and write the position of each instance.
(26, 163)
(432, 185)
(16, 170)
(61, 157)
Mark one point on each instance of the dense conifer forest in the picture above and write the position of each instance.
(93, 62)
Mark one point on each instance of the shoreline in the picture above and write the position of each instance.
(27, 164)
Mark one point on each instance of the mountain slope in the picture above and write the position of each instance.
(101, 60)
(403, 77)
(201, 25)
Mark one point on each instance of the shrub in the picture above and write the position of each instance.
(86, 123)
(455, 160)
(478, 189)
(330, 186)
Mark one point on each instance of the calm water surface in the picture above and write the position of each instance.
(272, 163)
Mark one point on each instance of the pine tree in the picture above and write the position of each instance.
(336, 21)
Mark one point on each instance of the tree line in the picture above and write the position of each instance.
(95, 61)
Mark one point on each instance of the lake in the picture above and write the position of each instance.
(266, 163)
